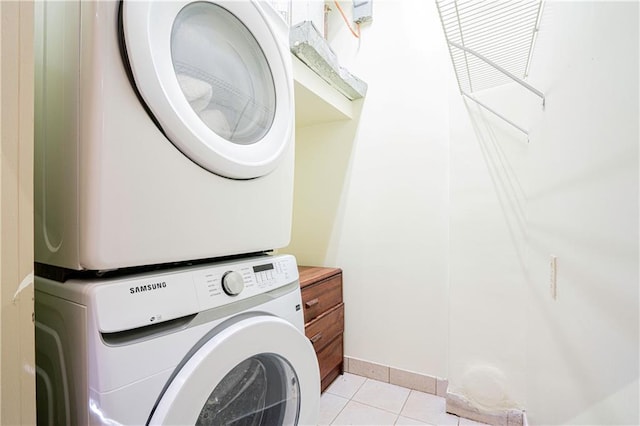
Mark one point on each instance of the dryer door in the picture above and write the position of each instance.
(258, 371)
(217, 78)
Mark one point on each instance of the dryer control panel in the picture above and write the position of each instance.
(124, 304)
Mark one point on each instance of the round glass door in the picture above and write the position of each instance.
(260, 370)
(223, 73)
(217, 78)
(261, 390)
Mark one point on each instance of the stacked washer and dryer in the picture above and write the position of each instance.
(164, 181)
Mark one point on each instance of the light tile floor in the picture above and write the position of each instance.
(356, 400)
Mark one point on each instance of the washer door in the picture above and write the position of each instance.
(258, 371)
(214, 76)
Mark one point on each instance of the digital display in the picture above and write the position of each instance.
(262, 268)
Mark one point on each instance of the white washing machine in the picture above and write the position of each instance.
(215, 344)
(164, 132)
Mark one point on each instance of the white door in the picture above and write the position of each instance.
(215, 77)
(257, 371)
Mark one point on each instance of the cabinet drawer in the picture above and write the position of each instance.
(320, 297)
(326, 327)
(330, 357)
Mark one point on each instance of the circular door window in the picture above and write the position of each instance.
(223, 73)
(260, 370)
(261, 390)
(217, 78)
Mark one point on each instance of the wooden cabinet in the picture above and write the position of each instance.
(324, 318)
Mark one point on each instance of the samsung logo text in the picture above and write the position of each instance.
(148, 287)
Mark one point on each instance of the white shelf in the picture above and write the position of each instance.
(317, 101)
(491, 43)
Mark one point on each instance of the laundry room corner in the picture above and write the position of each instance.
(323, 161)
(371, 193)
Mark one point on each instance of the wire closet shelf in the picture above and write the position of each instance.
(491, 44)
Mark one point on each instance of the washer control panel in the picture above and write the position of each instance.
(214, 286)
(147, 299)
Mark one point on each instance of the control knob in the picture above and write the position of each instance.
(232, 283)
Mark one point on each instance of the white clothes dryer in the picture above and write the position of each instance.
(164, 132)
(214, 344)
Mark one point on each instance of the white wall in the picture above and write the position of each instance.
(372, 194)
(572, 192)
(487, 254)
(583, 208)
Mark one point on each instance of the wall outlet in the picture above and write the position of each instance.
(553, 277)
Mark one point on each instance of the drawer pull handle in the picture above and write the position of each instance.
(315, 338)
(311, 303)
